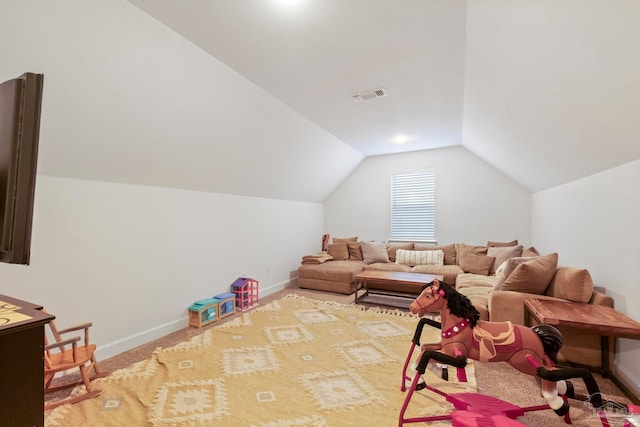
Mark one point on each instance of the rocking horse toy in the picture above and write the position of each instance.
(532, 351)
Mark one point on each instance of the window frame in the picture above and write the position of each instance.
(413, 207)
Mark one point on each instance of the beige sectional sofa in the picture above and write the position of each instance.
(332, 276)
(335, 269)
(496, 277)
(499, 303)
(348, 258)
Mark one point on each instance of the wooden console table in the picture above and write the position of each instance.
(390, 288)
(598, 319)
(22, 362)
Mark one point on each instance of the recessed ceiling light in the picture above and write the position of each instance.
(289, 2)
(400, 139)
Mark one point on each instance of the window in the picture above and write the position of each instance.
(413, 206)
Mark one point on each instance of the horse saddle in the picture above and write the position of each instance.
(492, 338)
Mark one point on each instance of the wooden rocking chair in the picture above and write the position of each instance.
(66, 354)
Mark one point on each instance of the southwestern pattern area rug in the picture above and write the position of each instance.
(292, 362)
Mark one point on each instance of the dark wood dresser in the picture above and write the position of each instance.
(21, 362)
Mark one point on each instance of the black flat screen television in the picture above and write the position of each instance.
(20, 106)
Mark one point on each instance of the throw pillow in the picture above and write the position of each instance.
(374, 252)
(392, 248)
(532, 276)
(477, 264)
(503, 253)
(572, 284)
(531, 251)
(507, 267)
(449, 251)
(339, 251)
(355, 252)
(345, 239)
(500, 269)
(413, 258)
(491, 244)
(463, 250)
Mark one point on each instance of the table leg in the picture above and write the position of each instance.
(360, 284)
(606, 370)
(355, 299)
(527, 316)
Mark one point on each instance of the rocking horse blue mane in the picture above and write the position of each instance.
(459, 305)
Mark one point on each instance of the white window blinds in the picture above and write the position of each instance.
(413, 206)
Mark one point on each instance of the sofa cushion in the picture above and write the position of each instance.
(419, 257)
(449, 251)
(327, 285)
(388, 266)
(491, 244)
(469, 280)
(532, 276)
(502, 253)
(530, 251)
(477, 264)
(337, 271)
(374, 252)
(345, 239)
(477, 288)
(449, 272)
(479, 296)
(339, 251)
(572, 284)
(355, 251)
(392, 249)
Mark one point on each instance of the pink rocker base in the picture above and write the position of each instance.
(471, 409)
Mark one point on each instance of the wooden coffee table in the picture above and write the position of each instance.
(598, 319)
(390, 288)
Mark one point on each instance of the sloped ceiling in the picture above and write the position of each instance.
(552, 87)
(252, 98)
(127, 100)
(315, 54)
(544, 90)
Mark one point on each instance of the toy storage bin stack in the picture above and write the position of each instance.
(246, 292)
(203, 312)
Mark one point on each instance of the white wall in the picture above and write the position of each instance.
(131, 259)
(474, 202)
(593, 223)
(143, 139)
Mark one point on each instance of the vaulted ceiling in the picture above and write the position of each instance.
(314, 55)
(255, 97)
(544, 90)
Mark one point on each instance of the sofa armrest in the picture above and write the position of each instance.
(509, 305)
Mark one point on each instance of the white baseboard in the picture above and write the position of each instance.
(273, 288)
(120, 346)
(632, 383)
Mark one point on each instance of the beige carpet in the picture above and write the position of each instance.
(504, 382)
(293, 361)
(495, 379)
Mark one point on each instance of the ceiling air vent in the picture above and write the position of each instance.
(369, 94)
